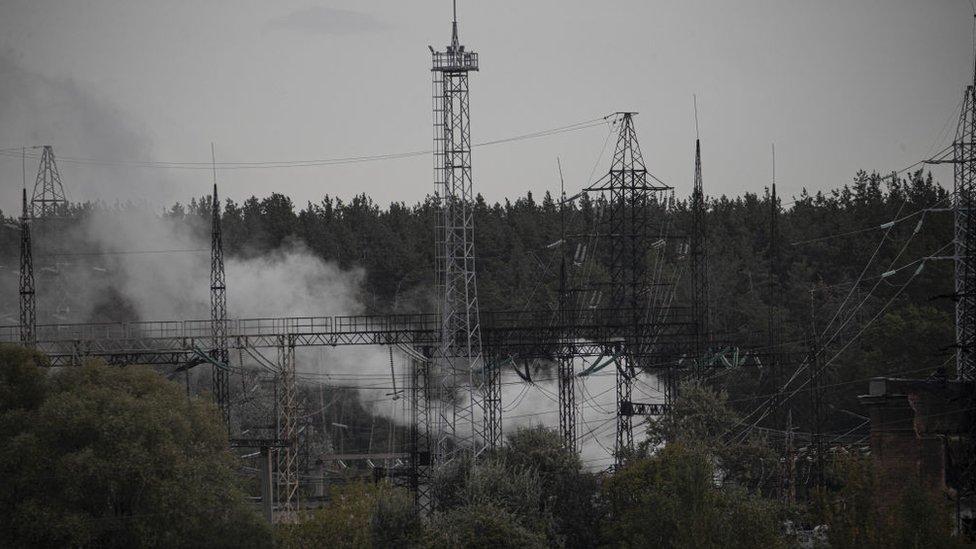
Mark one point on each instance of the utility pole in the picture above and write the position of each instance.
(788, 480)
(469, 404)
(816, 400)
(220, 376)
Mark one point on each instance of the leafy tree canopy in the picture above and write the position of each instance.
(114, 457)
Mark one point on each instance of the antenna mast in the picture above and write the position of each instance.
(699, 259)
(469, 404)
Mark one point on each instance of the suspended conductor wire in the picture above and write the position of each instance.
(806, 364)
(593, 398)
(126, 252)
(886, 225)
(518, 399)
(862, 330)
(888, 272)
(864, 271)
(269, 164)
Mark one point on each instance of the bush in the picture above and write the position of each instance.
(357, 515)
(480, 525)
(671, 500)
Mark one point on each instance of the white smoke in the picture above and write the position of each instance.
(533, 404)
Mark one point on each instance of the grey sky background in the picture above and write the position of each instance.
(838, 85)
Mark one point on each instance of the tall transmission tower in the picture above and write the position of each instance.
(699, 263)
(28, 305)
(48, 204)
(48, 198)
(469, 415)
(220, 377)
(964, 236)
(627, 228)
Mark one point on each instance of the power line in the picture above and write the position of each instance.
(274, 164)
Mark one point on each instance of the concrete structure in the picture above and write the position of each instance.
(912, 422)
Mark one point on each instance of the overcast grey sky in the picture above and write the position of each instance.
(838, 85)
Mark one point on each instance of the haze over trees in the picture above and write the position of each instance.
(121, 457)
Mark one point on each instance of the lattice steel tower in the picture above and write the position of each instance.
(964, 163)
(220, 376)
(28, 305)
(48, 198)
(47, 208)
(699, 265)
(468, 415)
(566, 371)
(627, 229)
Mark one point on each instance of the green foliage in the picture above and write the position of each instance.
(114, 457)
(22, 381)
(492, 482)
(671, 500)
(701, 418)
(480, 525)
(357, 515)
(534, 480)
(569, 492)
(395, 521)
(860, 515)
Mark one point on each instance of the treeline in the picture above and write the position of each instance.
(838, 268)
(835, 268)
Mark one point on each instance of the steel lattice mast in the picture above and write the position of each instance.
(964, 237)
(567, 374)
(220, 377)
(48, 198)
(286, 492)
(468, 415)
(699, 265)
(28, 307)
(48, 205)
(627, 228)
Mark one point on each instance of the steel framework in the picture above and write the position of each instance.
(220, 376)
(48, 205)
(627, 229)
(964, 237)
(287, 486)
(468, 416)
(48, 198)
(420, 436)
(518, 334)
(566, 374)
(28, 305)
(699, 265)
